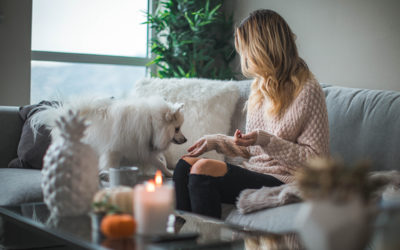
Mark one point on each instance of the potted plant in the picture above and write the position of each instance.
(335, 212)
(192, 38)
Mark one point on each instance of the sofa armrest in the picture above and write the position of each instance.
(10, 133)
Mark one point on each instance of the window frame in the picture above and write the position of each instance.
(50, 56)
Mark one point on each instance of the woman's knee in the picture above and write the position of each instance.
(182, 170)
(209, 167)
(190, 160)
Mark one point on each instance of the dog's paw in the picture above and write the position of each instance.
(168, 173)
(162, 159)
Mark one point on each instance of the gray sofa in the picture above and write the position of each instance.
(364, 124)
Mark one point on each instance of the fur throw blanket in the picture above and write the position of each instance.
(251, 200)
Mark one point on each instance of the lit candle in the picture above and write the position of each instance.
(158, 178)
(153, 204)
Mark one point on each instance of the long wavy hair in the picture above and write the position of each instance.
(268, 53)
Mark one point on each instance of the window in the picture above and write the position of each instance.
(87, 47)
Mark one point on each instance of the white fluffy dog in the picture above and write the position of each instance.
(134, 130)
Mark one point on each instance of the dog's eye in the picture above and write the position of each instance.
(177, 130)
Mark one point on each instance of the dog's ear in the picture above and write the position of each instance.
(169, 116)
(178, 109)
(173, 113)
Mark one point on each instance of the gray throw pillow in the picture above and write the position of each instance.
(30, 152)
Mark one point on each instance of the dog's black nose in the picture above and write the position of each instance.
(183, 141)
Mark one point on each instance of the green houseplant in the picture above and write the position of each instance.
(192, 38)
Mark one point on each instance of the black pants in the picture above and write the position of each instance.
(204, 194)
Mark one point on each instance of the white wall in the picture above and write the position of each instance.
(15, 51)
(353, 43)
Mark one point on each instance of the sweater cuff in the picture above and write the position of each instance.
(263, 138)
(212, 141)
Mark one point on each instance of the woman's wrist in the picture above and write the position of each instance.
(263, 138)
(212, 141)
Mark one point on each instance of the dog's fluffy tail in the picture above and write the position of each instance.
(45, 115)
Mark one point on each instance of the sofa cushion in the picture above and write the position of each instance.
(19, 186)
(10, 132)
(31, 151)
(364, 125)
(277, 219)
(238, 119)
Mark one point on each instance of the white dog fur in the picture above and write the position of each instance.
(136, 130)
(209, 106)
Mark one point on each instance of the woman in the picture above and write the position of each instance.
(286, 124)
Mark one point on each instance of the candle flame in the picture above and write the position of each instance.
(158, 178)
(150, 187)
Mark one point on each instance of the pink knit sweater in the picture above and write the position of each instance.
(283, 145)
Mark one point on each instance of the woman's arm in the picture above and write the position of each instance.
(221, 143)
(313, 139)
(311, 143)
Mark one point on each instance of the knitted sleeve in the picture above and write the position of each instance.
(225, 145)
(313, 139)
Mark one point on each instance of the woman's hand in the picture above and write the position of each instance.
(245, 140)
(198, 148)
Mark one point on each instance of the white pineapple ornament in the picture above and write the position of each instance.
(70, 170)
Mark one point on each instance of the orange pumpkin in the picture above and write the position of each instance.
(118, 225)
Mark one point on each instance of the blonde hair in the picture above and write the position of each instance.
(268, 53)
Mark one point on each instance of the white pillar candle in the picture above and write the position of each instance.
(153, 204)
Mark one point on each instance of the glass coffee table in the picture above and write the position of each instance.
(32, 226)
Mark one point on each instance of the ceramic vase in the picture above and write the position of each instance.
(328, 225)
(70, 170)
